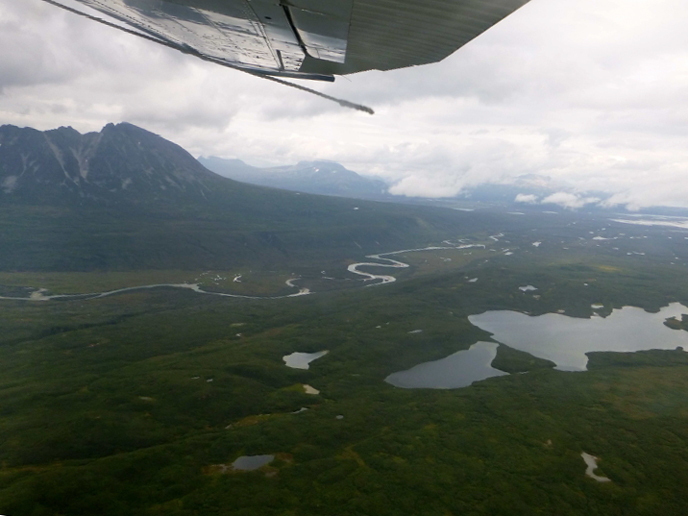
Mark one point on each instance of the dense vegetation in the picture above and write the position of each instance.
(127, 404)
(263, 228)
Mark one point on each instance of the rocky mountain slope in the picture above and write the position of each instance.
(122, 162)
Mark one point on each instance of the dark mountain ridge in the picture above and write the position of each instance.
(120, 163)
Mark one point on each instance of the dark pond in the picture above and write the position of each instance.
(251, 462)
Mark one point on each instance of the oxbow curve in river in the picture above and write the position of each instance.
(395, 263)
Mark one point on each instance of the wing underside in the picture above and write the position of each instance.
(312, 38)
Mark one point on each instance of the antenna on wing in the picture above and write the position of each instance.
(185, 49)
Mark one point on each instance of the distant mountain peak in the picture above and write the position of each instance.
(320, 176)
(319, 163)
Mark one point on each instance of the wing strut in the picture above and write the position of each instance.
(185, 49)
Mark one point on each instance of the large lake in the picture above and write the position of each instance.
(562, 339)
(565, 340)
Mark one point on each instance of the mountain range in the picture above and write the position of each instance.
(527, 191)
(317, 177)
(124, 198)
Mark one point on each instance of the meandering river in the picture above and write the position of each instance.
(40, 294)
(395, 264)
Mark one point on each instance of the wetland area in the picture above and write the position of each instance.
(492, 376)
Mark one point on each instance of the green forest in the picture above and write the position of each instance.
(139, 402)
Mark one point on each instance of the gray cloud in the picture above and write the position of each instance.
(569, 200)
(592, 92)
(526, 198)
(27, 59)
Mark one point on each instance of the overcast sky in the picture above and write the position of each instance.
(593, 93)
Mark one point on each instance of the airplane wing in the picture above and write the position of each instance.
(312, 39)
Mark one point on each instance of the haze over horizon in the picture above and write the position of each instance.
(590, 93)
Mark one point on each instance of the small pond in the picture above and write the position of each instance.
(301, 360)
(251, 462)
(310, 390)
(565, 340)
(457, 370)
(591, 463)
